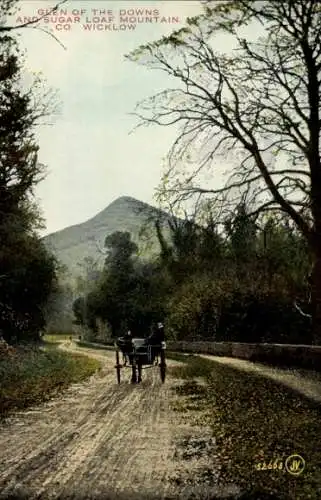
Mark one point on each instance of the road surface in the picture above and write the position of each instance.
(100, 440)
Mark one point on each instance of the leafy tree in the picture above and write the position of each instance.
(236, 285)
(190, 246)
(212, 247)
(79, 310)
(90, 274)
(262, 102)
(282, 250)
(242, 289)
(120, 250)
(27, 269)
(110, 299)
(241, 232)
(25, 289)
(131, 293)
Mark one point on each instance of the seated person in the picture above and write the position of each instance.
(158, 336)
(129, 335)
(124, 343)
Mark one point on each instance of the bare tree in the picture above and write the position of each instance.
(261, 101)
(6, 8)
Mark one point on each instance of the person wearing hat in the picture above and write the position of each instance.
(158, 335)
(160, 332)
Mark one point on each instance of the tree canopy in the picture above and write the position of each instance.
(27, 269)
(257, 105)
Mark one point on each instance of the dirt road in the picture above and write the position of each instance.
(97, 440)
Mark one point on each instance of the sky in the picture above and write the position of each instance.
(90, 155)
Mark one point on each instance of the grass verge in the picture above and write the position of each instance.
(30, 375)
(257, 424)
(56, 338)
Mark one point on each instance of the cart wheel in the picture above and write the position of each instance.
(139, 373)
(134, 375)
(117, 367)
(162, 366)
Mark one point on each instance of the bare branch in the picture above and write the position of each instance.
(28, 23)
(260, 102)
(50, 34)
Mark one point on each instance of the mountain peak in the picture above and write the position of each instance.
(124, 206)
(72, 244)
(126, 199)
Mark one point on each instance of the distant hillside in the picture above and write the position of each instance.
(72, 244)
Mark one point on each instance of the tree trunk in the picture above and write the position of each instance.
(316, 300)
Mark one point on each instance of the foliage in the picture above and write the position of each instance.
(109, 300)
(90, 273)
(79, 310)
(235, 285)
(257, 106)
(129, 294)
(245, 288)
(28, 270)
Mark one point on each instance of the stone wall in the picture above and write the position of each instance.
(276, 354)
(301, 356)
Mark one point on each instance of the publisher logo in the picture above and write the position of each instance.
(295, 465)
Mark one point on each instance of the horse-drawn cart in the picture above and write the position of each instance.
(138, 354)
